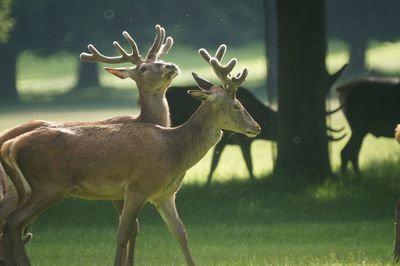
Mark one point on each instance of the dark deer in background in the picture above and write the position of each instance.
(182, 106)
(370, 106)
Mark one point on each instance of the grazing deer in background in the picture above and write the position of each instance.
(152, 77)
(370, 106)
(182, 107)
(134, 162)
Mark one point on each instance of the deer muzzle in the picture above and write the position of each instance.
(254, 131)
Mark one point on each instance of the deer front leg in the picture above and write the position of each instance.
(133, 202)
(130, 249)
(167, 209)
(215, 158)
(246, 151)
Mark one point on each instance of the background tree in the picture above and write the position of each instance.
(6, 21)
(302, 81)
(357, 22)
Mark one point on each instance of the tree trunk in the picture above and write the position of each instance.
(8, 73)
(303, 80)
(272, 50)
(358, 49)
(88, 76)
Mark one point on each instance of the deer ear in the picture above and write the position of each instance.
(122, 73)
(202, 83)
(199, 95)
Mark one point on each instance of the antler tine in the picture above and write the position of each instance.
(166, 47)
(220, 52)
(96, 56)
(155, 47)
(241, 77)
(203, 52)
(134, 47)
(223, 72)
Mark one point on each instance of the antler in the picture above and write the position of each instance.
(159, 48)
(96, 56)
(223, 72)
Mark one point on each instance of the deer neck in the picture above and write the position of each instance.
(195, 137)
(154, 109)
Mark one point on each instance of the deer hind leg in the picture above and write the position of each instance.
(129, 252)
(169, 213)
(354, 145)
(351, 151)
(20, 219)
(133, 203)
(246, 151)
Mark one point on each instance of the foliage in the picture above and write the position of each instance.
(6, 21)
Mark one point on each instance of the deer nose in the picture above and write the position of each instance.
(171, 66)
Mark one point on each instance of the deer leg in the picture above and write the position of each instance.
(354, 155)
(19, 219)
(130, 249)
(168, 212)
(351, 150)
(246, 151)
(344, 157)
(397, 233)
(133, 202)
(215, 159)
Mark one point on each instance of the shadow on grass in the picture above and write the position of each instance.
(370, 197)
(89, 98)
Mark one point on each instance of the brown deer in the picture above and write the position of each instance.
(134, 162)
(152, 77)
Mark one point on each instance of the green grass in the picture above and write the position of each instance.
(344, 222)
(347, 221)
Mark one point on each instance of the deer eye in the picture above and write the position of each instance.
(143, 69)
(236, 107)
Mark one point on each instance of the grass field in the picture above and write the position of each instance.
(347, 221)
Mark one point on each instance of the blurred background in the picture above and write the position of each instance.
(41, 77)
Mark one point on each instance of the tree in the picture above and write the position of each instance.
(6, 21)
(302, 81)
(358, 21)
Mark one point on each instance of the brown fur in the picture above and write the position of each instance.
(131, 161)
(152, 78)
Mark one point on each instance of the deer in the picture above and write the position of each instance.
(152, 77)
(182, 106)
(370, 106)
(133, 162)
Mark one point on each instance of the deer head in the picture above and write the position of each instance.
(231, 115)
(151, 74)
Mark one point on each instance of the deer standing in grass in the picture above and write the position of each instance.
(134, 162)
(152, 77)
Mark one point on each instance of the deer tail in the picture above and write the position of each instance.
(14, 172)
